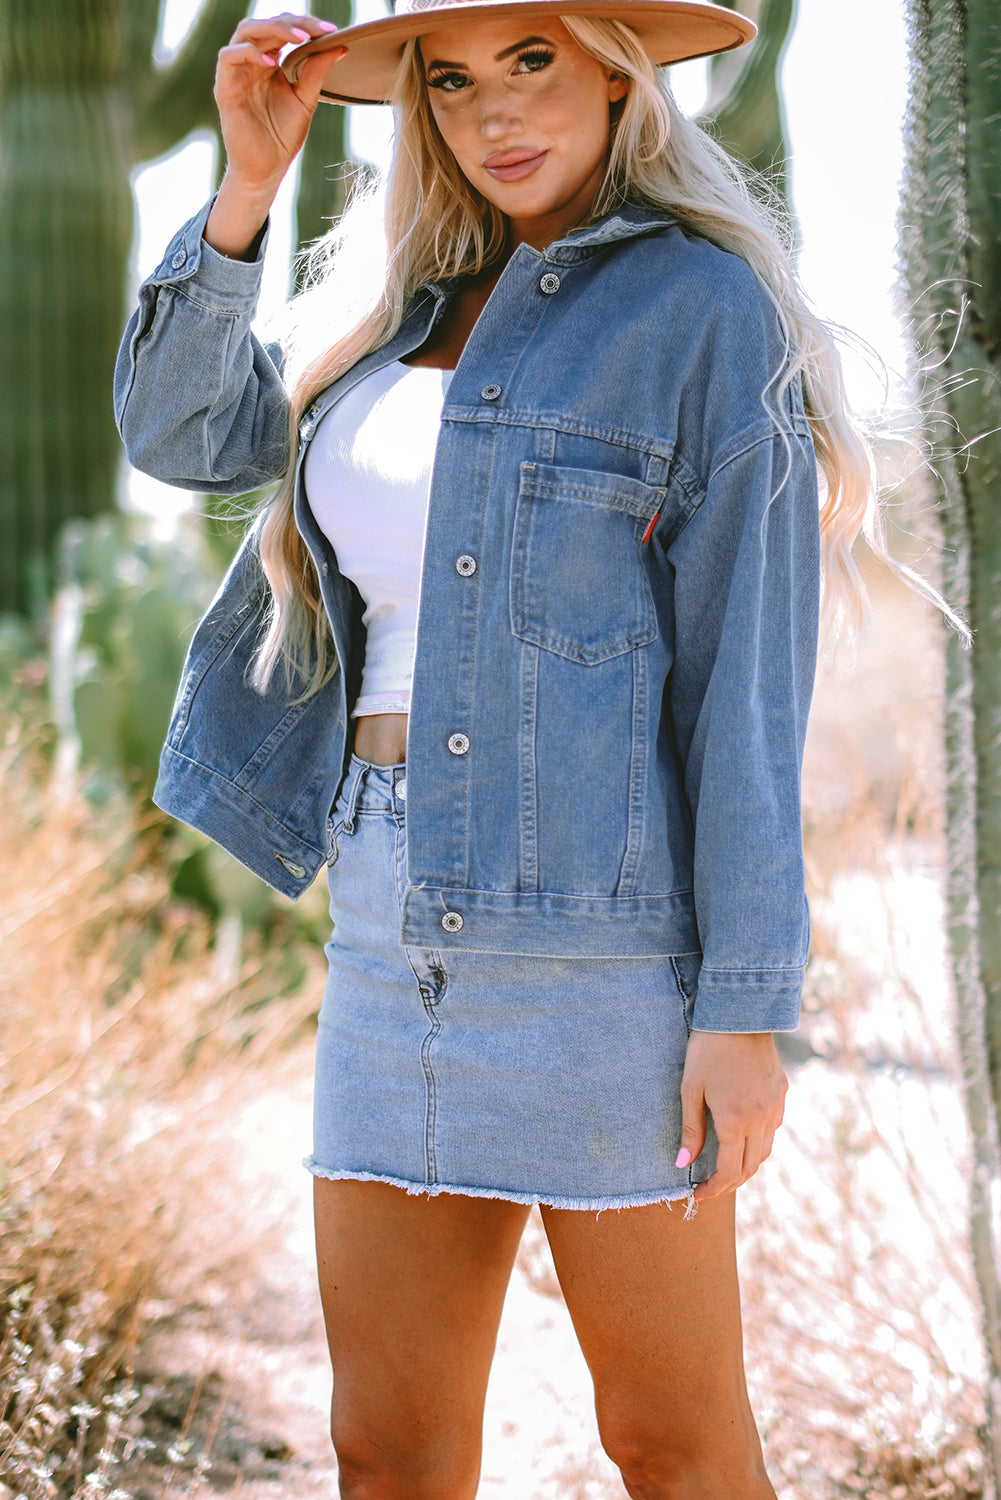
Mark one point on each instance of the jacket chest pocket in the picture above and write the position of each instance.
(578, 584)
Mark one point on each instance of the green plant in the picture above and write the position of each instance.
(744, 108)
(82, 102)
(951, 232)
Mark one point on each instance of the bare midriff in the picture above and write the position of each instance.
(381, 739)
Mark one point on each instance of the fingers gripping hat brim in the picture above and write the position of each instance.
(670, 30)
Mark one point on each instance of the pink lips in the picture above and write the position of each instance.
(512, 166)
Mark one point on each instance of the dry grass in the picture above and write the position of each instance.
(123, 1045)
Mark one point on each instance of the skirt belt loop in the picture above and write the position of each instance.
(358, 773)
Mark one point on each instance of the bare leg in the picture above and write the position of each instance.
(656, 1306)
(412, 1290)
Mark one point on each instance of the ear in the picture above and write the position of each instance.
(618, 87)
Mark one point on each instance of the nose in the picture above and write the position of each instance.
(500, 115)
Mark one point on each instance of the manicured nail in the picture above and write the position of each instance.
(684, 1157)
(271, 61)
(326, 25)
(299, 34)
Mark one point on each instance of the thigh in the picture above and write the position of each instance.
(412, 1289)
(655, 1303)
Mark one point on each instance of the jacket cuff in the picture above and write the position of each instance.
(193, 267)
(748, 999)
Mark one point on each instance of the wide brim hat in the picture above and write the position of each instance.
(670, 30)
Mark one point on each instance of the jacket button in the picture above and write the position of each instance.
(178, 260)
(458, 744)
(465, 565)
(549, 284)
(491, 392)
(452, 921)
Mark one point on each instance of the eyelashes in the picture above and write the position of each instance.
(452, 82)
(532, 60)
(541, 57)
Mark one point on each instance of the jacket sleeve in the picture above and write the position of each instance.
(199, 400)
(746, 588)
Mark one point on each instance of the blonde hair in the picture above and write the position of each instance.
(434, 224)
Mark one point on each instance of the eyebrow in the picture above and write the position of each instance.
(529, 41)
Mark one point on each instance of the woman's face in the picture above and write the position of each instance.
(524, 111)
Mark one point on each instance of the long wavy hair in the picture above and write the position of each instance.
(426, 222)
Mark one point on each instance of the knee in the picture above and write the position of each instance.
(678, 1465)
(428, 1470)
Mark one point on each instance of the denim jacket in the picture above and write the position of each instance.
(617, 628)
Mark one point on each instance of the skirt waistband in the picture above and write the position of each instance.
(371, 788)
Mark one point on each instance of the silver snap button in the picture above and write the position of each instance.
(458, 744)
(452, 921)
(465, 565)
(401, 789)
(178, 260)
(550, 283)
(491, 392)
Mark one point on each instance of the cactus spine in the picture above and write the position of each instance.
(81, 103)
(951, 234)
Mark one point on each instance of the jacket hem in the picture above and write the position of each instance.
(551, 925)
(507, 1195)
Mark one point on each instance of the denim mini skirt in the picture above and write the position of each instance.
(534, 1079)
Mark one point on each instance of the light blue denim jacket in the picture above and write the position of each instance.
(618, 609)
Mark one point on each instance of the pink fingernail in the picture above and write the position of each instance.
(299, 34)
(326, 25)
(685, 1157)
(271, 61)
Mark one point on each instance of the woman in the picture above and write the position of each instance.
(565, 855)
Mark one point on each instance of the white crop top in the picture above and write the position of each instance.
(368, 481)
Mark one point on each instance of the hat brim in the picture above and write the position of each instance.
(670, 30)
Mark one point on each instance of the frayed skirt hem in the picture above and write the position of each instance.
(546, 1200)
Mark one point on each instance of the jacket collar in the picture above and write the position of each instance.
(626, 222)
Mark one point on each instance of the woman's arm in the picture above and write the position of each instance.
(198, 400)
(746, 599)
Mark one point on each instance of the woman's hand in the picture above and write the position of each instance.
(265, 118)
(739, 1077)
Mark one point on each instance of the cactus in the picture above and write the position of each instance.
(744, 109)
(81, 104)
(323, 176)
(951, 234)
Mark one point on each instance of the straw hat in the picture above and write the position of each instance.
(670, 30)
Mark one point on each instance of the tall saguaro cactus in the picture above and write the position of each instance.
(744, 105)
(951, 232)
(322, 189)
(81, 103)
